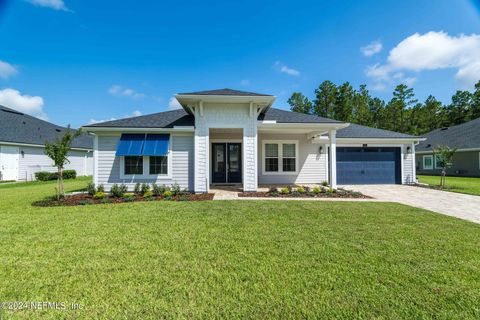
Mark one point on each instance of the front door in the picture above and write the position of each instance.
(9, 163)
(226, 162)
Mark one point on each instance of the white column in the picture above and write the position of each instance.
(95, 160)
(333, 158)
(414, 164)
(249, 159)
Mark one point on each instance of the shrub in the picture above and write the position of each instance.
(285, 190)
(158, 190)
(324, 183)
(99, 195)
(47, 176)
(69, 174)
(106, 200)
(123, 189)
(273, 190)
(301, 189)
(85, 202)
(91, 189)
(330, 190)
(148, 194)
(136, 189)
(317, 190)
(128, 197)
(144, 188)
(168, 194)
(176, 189)
(117, 191)
(100, 188)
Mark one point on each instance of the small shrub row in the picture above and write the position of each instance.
(47, 176)
(141, 189)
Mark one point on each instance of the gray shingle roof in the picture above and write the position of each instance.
(225, 92)
(179, 117)
(167, 119)
(22, 128)
(358, 131)
(284, 116)
(463, 136)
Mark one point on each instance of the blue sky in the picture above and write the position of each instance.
(74, 61)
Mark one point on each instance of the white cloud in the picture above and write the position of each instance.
(121, 91)
(279, 66)
(12, 98)
(372, 48)
(173, 104)
(135, 113)
(7, 70)
(53, 4)
(245, 82)
(432, 51)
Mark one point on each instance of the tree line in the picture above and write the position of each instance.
(402, 113)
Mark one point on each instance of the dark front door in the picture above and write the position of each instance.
(226, 162)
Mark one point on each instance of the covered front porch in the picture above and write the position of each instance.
(274, 157)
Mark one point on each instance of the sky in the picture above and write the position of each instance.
(81, 61)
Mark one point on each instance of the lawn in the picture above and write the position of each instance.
(236, 259)
(455, 184)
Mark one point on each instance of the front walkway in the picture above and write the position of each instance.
(458, 205)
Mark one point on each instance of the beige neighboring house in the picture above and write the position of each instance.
(22, 139)
(466, 161)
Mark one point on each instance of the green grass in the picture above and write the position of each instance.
(455, 184)
(237, 259)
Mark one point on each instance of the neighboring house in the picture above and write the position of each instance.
(466, 161)
(235, 137)
(22, 139)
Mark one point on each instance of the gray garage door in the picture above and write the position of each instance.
(368, 165)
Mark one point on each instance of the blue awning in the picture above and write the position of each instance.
(156, 145)
(131, 144)
(140, 144)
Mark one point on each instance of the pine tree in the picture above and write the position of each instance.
(299, 103)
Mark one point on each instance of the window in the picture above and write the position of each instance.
(288, 157)
(428, 162)
(280, 157)
(271, 157)
(158, 165)
(133, 165)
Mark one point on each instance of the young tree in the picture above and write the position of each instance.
(299, 103)
(444, 155)
(58, 151)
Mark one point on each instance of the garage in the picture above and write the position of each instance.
(368, 165)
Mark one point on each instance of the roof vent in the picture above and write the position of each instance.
(429, 145)
(445, 128)
(58, 130)
(24, 122)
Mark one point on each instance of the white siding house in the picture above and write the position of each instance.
(228, 137)
(22, 152)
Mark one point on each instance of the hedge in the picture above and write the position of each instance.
(46, 176)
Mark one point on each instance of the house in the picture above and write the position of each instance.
(466, 161)
(234, 137)
(22, 139)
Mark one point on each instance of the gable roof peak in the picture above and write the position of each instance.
(225, 92)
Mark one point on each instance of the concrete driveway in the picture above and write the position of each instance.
(458, 205)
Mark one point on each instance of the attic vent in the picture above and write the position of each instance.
(443, 129)
(11, 111)
(58, 130)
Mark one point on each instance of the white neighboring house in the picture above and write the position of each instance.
(22, 139)
(234, 137)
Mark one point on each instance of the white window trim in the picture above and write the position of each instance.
(280, 157)
(431, 158)
(146, 167)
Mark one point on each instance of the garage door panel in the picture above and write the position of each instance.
(368, 165)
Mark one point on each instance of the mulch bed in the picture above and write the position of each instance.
(86, 199)
(336, 194)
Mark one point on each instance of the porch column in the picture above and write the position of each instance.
(333, 158)
(201, 152)
(250, 178)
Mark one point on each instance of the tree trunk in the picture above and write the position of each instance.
(60, 179)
